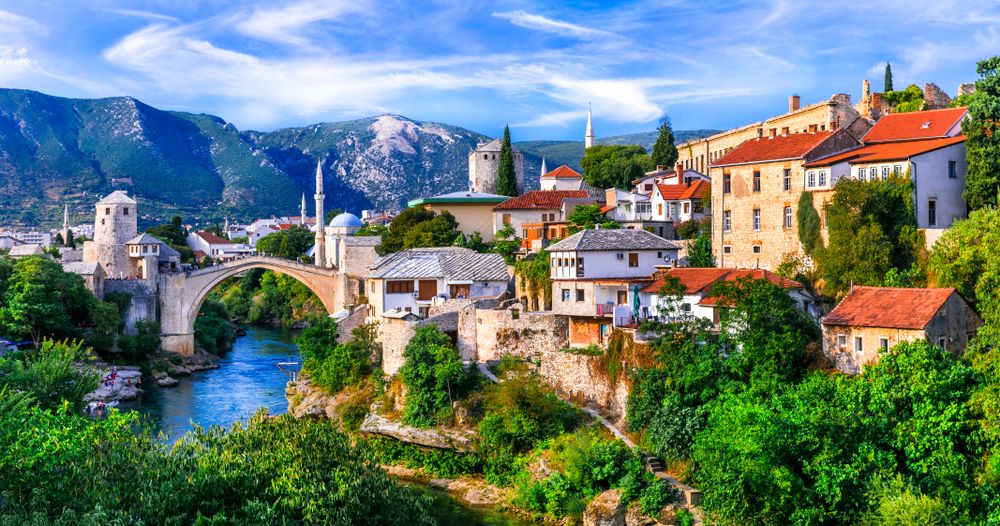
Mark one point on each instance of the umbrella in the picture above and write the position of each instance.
(635, 301)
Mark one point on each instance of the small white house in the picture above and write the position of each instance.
(413, 280)
(594, 272)
(207, 244)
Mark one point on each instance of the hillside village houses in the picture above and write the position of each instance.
(596, 275)
(871, 320)
(698, 300)
(206, 244)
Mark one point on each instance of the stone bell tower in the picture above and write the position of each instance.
(115, 223)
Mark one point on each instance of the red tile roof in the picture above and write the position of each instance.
(541, 199)
(885, 307)
(753, 274)
(791, 146)
(212, 239)
(887, 151)
(914, 125)
(607, 208)
(683, 192)
(564, 172)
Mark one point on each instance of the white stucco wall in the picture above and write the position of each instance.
(607, 265)
(930, 176)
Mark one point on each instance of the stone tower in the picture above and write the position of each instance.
(115, 224)
(588, 140)
(302, 211)
(483, 164)
(319, 253)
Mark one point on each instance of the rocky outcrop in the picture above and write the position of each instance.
(459, 440)
(470, 491)
(163, 379)
(934, 97)
(127, 385)
(607, 509)
(307, 400)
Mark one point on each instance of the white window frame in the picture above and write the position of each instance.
(788, 217)
(811, 179)
(727, 221)
(756, 219)
(859, 344)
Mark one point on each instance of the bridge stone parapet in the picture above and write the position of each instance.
(182, 293)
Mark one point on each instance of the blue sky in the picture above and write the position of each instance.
(268, 64)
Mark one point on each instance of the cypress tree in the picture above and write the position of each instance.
(664, 151)
(888, 78)
(506, 175)
(809, 225)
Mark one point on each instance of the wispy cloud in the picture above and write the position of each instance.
(285, 24)
(538, 22)
(145, 15)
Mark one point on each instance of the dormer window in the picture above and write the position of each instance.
(926, 125)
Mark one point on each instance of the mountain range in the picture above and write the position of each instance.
(56, 151)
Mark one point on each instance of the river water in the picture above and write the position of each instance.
(248, 379)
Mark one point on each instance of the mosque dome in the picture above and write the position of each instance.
(346, 219)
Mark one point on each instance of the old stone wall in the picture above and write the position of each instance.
(598, 381)
(847, 360)
(498, 333)
(934, 97)
(144, 300)
(346, 326)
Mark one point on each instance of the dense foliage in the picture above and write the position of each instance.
(173, 234)
(213, 329)
(872, 230)
(268, 298)
(534, 273)
(700, 251)
(418, 227)
(332, 365)
(664, 151)
(506, 175)
(809, 224)
(616, 166)
(905, 101)
(47, 375)
(434, 377)
(39, 299)
(588, 216)
(982, 137)
(292, 243)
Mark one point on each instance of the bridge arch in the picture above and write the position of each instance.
(182, 294)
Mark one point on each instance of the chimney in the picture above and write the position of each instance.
(793, 103)
(679, 170)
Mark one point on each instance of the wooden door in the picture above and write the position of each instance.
(428, 289)
(459, 291)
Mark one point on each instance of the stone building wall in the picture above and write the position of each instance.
(144, 300)
(773, 238)
(847, 360)
(394, 334)
(934, 97)
(346, 326)
(831, 114)
(498, 333)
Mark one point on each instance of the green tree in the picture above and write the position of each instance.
(332, 365)
(292, 243)
(70, 242)
(700, 253)
(588, 216)
(42, 300)
(372, 229)
(763, 331)
(433, 375)
(908, 100)
(809, 224)
(48, 374)
(418, 227)
(872, 229)
(535, 273)
(332, 213)
(213, 330)
(982, 137)
(614, 166)
(887, 84)
(109, 322)
(506, 175)
(664, 151)
(506, 243)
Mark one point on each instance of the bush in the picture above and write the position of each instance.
(213, 330)
(47, 374)
(435, 462)
(434, 376)
(333, 366)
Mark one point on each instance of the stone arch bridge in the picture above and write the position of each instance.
(182, 294)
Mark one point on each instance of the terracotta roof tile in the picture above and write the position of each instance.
(791, 146)
(564, 172)
(700, 280)
(753, 274)
(212, 239)
(887, 151)
(915, 125)
(541, 199)
(894, 308)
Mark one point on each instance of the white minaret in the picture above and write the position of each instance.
(588, 141)
(544, 170)
(319, 253)
(302, 211)
(65, 228)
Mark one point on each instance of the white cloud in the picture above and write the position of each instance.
(548, 25)
(284, 25)
(14, 23)
(145, 15)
